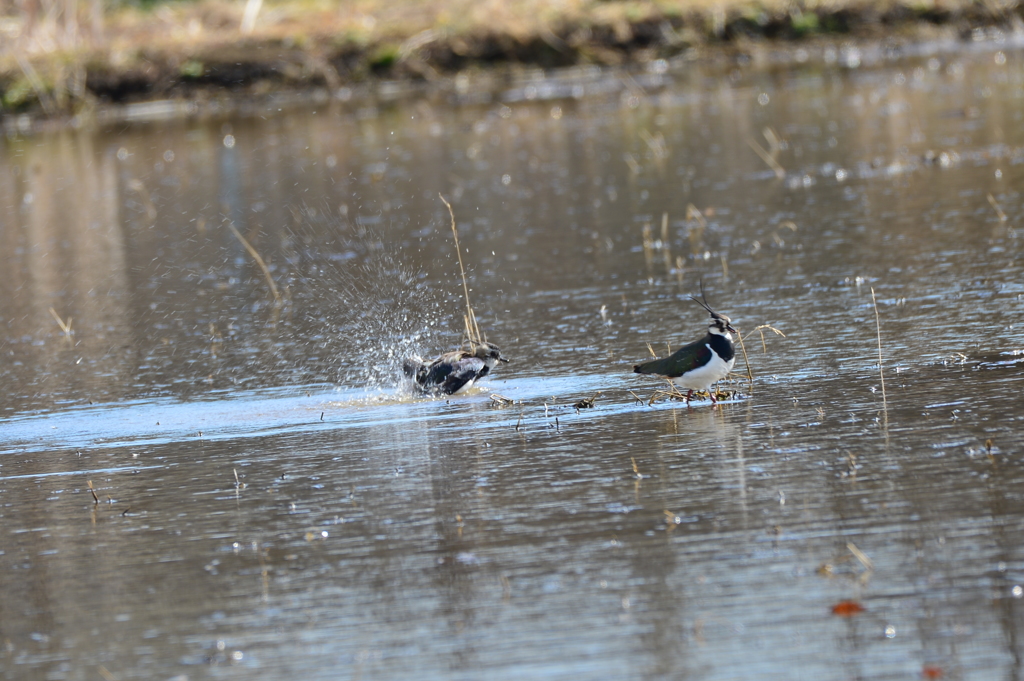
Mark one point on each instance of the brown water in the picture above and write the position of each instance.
(272, 507)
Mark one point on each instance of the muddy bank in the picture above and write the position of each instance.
(199, 51)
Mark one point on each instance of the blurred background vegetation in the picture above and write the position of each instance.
(63, 56)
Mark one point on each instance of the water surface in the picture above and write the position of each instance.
(269, 504)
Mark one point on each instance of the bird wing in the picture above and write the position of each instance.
(435, 373)
(462, 372)
(684, 359)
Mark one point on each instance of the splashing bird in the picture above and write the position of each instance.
(700, 364)
(453, 372)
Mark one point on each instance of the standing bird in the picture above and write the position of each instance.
(702, 363)
(453, 372)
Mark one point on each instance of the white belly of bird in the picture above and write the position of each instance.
(705, 376)
(469, 384)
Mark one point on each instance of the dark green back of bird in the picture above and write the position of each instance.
(684, 359)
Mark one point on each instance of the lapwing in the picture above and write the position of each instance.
(700, 364)
(453, 372)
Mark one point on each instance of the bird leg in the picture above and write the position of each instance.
(688, 396)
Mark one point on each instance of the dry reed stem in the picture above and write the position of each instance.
(259, 261)
(634, 167)
(746, 361)
(693, 213)
(999, 211)
(860, 556)
(695, 236)
(648, 245)
(656, 143)
(252, 10)
(66, 328)
(665, 247)
(472, 329)
(760, 329)
(878, 332)
(674, 393)
(139, 186)
(779, 171)
(36, 82)
(764, 348)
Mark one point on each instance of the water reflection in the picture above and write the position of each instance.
(268, 506)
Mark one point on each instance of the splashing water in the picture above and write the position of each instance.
(372, 310)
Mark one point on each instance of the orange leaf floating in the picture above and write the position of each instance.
(847, 608)
(931, 672)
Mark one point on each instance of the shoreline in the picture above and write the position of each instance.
(144, 57)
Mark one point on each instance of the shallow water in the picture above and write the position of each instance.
(268, 504)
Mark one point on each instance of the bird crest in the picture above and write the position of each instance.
(718, 321)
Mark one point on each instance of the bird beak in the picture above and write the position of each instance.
(729, 328)
(504, 359)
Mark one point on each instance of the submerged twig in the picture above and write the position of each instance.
(878, 332)
(472, 329)
(259, 261)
